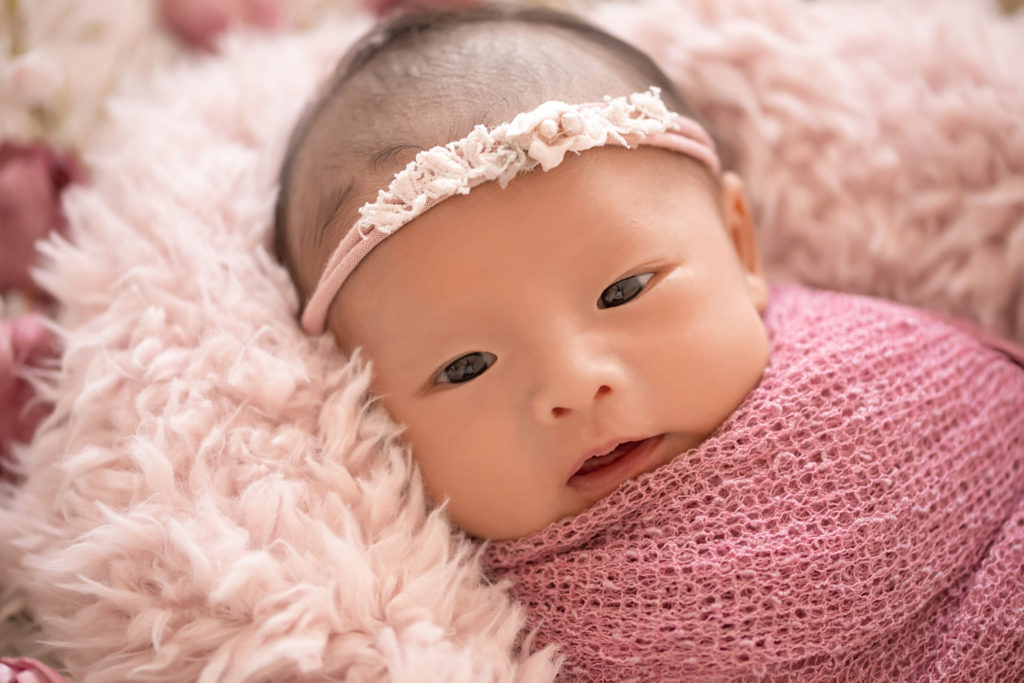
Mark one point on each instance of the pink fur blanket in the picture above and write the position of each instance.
(213, 499)
(859, 517)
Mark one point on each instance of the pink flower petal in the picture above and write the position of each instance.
(26, 670)
(199, 22)
(32, 178)
(385, 6)
(24, 342)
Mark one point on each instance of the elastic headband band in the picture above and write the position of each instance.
(537, 138)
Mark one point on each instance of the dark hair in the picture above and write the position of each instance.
(385, 56)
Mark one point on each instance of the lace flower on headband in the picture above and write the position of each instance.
(541, 137)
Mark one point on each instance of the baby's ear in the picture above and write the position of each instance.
(740, 226)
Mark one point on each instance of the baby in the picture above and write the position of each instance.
(535, 339)
(517, 218)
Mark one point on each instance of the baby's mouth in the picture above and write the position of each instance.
(624, 460)
(598, 461)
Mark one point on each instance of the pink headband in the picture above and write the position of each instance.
(539, 137)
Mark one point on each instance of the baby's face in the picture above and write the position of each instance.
(545, 342)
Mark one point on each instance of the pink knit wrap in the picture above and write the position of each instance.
(860, 517)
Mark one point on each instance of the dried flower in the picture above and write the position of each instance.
(33, 78)
(199, 22)
(25, 670)
(383, 6)
(31, 179)
(24, 343)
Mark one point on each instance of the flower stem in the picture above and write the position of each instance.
(17, 30)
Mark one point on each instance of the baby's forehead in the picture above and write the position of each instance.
(560, 232)
(345, 163)
(606, 185)
(339, 207)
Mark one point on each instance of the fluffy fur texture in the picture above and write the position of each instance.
(214, 500)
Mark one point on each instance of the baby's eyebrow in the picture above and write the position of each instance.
(387, 156)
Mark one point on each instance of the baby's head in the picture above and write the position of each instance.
(550, 333)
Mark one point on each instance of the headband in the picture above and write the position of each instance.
(536, 138)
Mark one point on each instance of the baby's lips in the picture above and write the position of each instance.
(603, 449)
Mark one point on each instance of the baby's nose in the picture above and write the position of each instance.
(559, 411)
(579, 386)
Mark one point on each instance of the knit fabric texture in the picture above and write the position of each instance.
(860, 517)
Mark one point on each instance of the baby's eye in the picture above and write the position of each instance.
(624, 290)
(465, 368)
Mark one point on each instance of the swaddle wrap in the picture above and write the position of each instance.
(859, 517)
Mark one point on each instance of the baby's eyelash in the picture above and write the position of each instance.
(465, 368)
(623, 291)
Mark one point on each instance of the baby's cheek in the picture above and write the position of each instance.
(474, 458)
(702, 368)
(450, 449)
